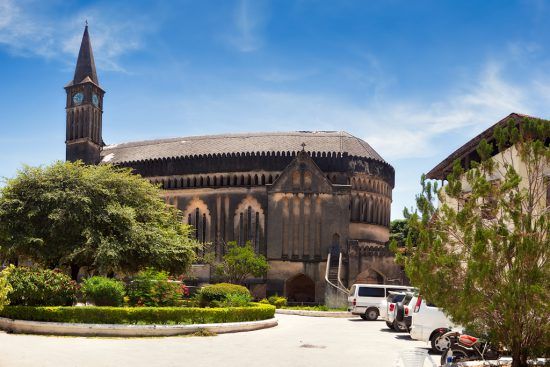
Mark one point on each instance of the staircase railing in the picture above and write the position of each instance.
(339, 272)
(339, 286)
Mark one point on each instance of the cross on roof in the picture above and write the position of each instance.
(303, 146)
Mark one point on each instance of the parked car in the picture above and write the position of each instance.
(365, 300)
(388, 306)
(403, 313)
(429, 324)
(396, 317)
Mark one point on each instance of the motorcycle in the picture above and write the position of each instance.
(468, 348)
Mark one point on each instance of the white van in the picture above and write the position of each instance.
(367, 300)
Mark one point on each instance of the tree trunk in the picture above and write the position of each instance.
(519, 358)
(75, 269)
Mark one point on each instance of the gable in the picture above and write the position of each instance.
(302, 175)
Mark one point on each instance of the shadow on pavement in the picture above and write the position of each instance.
(403, 337)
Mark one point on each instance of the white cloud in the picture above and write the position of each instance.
(27, 30)
(396, 128)
(473, 107)
(248, 19)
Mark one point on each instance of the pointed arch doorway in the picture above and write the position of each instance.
(300, 288)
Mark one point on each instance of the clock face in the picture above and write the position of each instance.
(78, 98)
(95, 100)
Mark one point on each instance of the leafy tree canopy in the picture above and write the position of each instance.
(241, 262)
(483, 254)
(399, 229)
(101, 217)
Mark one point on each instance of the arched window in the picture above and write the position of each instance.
(198, 216)
(249, 222)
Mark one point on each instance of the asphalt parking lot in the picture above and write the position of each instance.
(297, 341)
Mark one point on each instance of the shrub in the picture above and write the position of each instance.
(153, 288)
(40, 287)
(5, 287)
(139, 315)
(235, 300)
(103, 291)
(240, 262)
(277, 301)
(219, 292)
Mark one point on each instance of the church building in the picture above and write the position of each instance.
(315, 203)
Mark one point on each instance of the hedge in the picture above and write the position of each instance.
(219, 292)
(139, 315)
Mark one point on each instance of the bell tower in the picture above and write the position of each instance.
(84, 108)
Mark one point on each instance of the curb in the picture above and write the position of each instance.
(117, 330)
(335, 314)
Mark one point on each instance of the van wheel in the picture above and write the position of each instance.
(364, 317)
(372, 314)
(389, 324)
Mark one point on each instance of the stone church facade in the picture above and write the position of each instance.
(298, 197)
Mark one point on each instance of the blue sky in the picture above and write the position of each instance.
(415, 79)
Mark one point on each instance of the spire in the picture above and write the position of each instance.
(85, 65)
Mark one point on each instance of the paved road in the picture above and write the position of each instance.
(297, 341)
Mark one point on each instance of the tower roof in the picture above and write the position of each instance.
(85, 65)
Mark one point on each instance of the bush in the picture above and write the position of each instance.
(277, 301)
(5, 288)
(153, 288)
(235, 300)
(103, 291)
(219, 293)
(139, 315)
(40, 287)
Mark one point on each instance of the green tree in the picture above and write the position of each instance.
(241, 262)
(101, 217)
(483, 254)
(399, 229)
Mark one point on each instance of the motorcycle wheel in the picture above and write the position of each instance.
(460, 354)
(389, 324)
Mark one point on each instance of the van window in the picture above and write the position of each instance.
(371, 292)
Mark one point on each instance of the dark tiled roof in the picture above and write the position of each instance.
(441, 171)
(85, 65)
(316, 141)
